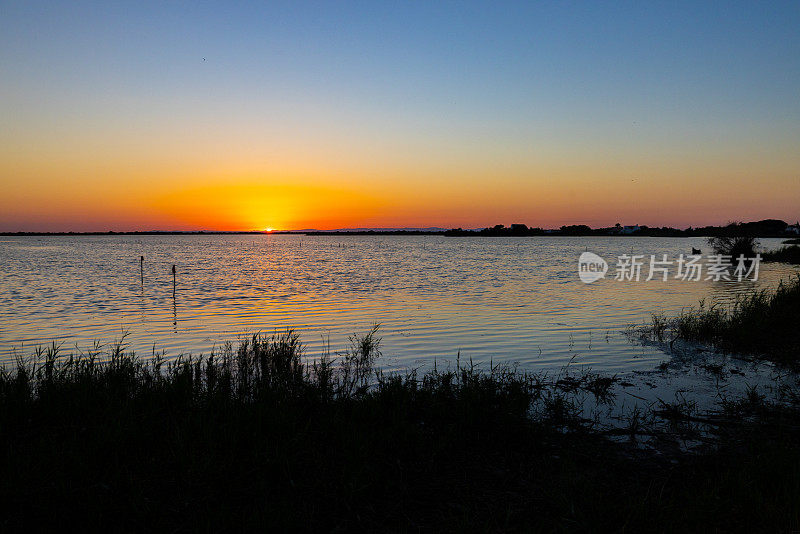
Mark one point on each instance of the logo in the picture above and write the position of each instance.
(591, 267)
(718, 267)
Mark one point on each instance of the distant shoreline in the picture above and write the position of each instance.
(763, 228)
(357, 233)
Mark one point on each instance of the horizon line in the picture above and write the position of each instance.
(429, 229)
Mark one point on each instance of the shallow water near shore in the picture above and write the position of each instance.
(512, 300)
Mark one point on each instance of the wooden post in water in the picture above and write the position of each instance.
(173, 282)
(141, 268)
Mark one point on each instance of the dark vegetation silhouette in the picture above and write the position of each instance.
(786, 254)
(764, 228)
(261, 437)
(734, 246)
(762, 323)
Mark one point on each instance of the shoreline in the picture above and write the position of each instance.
(767, 228)
(446, 233)
(256, 437)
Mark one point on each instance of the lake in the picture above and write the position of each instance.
(513, 300)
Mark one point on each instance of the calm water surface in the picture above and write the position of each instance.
(517, 300)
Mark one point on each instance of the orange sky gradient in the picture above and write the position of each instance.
(91, 187)
(271, 116)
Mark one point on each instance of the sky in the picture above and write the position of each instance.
(288, 115)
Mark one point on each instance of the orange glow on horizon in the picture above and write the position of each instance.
(266, 207)
(222, 189)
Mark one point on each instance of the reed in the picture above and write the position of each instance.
(787, 254)
(762, 323)
(734, 246)
(260, 435)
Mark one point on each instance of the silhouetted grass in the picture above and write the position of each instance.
(788, 254)
(261, 437)
(734, 246)
(763, 323)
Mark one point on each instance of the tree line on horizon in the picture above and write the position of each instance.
(763, 228)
